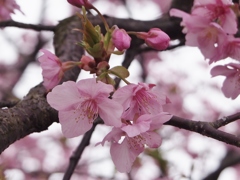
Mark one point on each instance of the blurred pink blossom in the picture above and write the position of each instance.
(205, 35)
(7, 8)
(229, 48)
(79, 104)
(216, 23)
(217, 11)
(231, 85)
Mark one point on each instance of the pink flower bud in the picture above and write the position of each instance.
(155, 38)
(80, 3)
(121, 39)
(87, 63)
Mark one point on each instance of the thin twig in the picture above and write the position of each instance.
(77, 154)
(38, 27)
(206, 129)
(226, 120)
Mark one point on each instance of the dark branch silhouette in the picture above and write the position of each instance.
(34, 27)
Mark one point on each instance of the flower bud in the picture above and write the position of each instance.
(87, 63)
(155, 38)
(80, 3)
(121, 39)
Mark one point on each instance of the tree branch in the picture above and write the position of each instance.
(206, 129)
(226, 120)
(231, 158)
(74, 159)
(38, 27)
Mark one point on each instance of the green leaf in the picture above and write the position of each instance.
(119, 71)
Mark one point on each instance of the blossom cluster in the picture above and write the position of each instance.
(211, 27)
(133, 111)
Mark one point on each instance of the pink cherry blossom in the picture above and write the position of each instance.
(79, 104)
(124, 153)
(80, 3)
(139, 99)
(206, 35)
(121, 40)
(7, 8)
(229, 48)
(231, 85)
(155, 38)
(51, 69)
(217, 11)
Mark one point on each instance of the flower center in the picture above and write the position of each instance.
(90, 109)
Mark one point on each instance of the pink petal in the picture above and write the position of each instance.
(110, 111)
(73, 124)
(114, 136)
(141, 125)
(123, 156)
(221, 70)
(124, 95)
(64, 96)
(231, 86)
(93, 88)
(152, 139)
(159, 119)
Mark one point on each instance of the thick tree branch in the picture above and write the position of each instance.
(38, 27)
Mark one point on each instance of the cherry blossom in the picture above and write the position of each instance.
(124, 152)
(231, 85)
(139, 99)
(207, 36)
(216, 23)
(121, 39)
(79, 104)
(217, 11)
(51, 69)
(7, 8)
(155, 38)
(229, 48)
